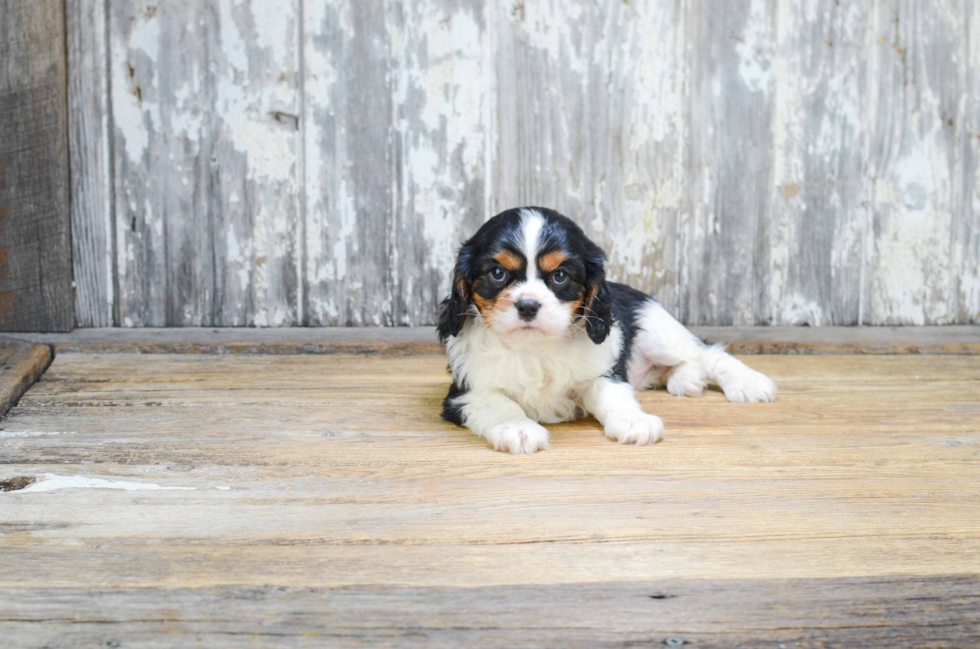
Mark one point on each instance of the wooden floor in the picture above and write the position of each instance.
(212, 501)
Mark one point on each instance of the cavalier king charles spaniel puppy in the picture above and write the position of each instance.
(535, 333)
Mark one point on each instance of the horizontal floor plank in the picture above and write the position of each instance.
(940, 611)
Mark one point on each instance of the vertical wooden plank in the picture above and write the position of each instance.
(254, 201)
(915, 161)
(160, 85)
(91, 183)
(349, 179)
(440, 90)
(725, 272)
(966, 231)
(205, 103)
(590, 107)
(817, 196)
(35, 254)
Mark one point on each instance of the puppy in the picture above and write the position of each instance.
(535, 333)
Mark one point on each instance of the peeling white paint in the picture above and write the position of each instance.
(53, 482)
(132, 106)
(755, 48)
(798, 310)
(444, 140)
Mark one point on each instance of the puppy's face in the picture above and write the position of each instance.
(532, 273)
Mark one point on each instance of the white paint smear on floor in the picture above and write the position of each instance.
(54, 482)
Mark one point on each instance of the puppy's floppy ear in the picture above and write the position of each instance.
(597, 308)
(452, 311)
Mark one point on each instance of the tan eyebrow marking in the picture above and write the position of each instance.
(552, 260)
(508, 260)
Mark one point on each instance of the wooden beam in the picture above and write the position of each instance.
(956, 339)
(35, 254)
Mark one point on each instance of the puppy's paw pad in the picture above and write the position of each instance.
(635, 428)
(524, 436)
(751, 387)
(687, 380)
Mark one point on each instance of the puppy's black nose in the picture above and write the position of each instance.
(527, 309)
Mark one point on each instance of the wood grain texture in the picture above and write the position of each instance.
(306, 500)
(205, 111)
(35, 255)
(441, 74)
(724, 247)
(21, 364)
(349, 174)
(817, 194)
(880, 612)
(771, 162)
(90, 148)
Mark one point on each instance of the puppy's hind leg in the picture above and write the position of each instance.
(687, 379)
(741, 383)
(672, 353)
(663, 341)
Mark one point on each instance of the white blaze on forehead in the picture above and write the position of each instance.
(531, 224)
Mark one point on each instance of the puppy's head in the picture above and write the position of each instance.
(529, 272)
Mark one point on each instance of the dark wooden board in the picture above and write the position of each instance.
(21, 364)
(35, 255)
(896, 611)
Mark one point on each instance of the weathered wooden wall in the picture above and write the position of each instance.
(257, 162)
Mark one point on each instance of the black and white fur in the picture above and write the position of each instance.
(530, 341)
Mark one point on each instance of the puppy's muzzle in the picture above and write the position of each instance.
(528, 309)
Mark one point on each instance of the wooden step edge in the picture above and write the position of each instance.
(21, 365)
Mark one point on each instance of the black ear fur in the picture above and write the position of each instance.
(453, 310)
(597, 308)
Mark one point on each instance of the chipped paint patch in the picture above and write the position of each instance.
(801, 311)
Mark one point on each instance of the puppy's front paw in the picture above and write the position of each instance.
(521, 436)
(635, 428)
(750, 387)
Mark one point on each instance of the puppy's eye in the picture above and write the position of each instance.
(498, 274)
(559, 277)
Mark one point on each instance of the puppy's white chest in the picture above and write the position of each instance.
(545, 377)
